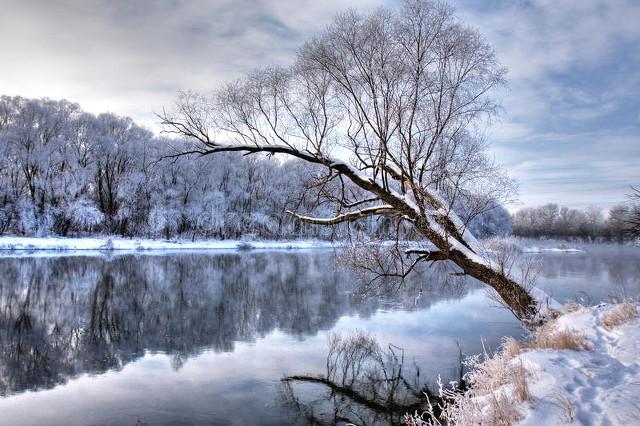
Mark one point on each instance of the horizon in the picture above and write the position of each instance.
(569, 133)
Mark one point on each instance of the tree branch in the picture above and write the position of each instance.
(428, 255)
(346, 217)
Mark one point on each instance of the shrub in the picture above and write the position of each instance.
(621, 314)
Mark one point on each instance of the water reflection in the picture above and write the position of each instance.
(60, 317)
(206, 338)
(598, 274)
(363, 384)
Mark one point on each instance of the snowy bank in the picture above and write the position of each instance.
(582, 367)
(31, 244)
(598, 385)
(535, 249)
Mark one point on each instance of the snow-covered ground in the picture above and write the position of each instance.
(533, 245)
(544, 382)
(117, 243)
(534, 249)
(32, 244)
(599, 385)
(581, 368)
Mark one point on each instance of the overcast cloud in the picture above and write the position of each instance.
(570, 131)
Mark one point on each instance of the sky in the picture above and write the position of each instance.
(569, 131)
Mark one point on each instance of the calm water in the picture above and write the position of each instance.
(205, 338)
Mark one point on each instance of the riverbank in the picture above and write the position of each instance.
(137, 244)
(582, 367)
(120, 243)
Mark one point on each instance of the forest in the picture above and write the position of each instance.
(67, 172)
(590, 224)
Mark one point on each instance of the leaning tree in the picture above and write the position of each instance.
(390, 106)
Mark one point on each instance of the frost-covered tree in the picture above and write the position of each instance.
(616, 223)
(67, 172)
(492, 223)
(633, 221)
(387, 107)
(33, 135)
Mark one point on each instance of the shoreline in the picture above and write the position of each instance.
(110, 244)
(582, 366)
(97, 245)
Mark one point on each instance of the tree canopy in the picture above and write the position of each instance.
(391, 105)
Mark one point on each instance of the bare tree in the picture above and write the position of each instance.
(390, 103)
(633, 221)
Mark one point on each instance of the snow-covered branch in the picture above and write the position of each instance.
(346, 217)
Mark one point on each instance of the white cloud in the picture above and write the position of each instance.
(133, 57)
(572, 95)
(573, 64)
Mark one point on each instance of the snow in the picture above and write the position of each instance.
(336, 219)
(11, 245)
(457, 245)
(545, 302)
(535, 249)
(599, 385)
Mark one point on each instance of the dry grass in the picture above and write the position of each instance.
(499, 383)
(572, 307)
(502, 411)
(567, 408)
(624, 313)
(511, 347)
(548, 337)
(520, 385)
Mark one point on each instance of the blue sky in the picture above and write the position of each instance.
(569, 132)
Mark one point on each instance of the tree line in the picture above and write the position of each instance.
(620, 224)
(67, 172)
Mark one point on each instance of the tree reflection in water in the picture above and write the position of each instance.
(65, 316)
(364, 384)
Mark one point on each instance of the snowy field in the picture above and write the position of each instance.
(9, 243)
(535, 249)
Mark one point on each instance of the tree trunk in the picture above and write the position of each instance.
(515, 297)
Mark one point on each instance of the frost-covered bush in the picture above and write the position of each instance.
(498, 384)
(85, 214)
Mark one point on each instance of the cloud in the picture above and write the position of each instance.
(573, 94)
(133, 57)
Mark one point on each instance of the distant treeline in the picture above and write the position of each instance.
(591, 224)
(67, 172)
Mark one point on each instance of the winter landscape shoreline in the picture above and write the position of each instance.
(580, 367)
(107, 243)
(55, 245)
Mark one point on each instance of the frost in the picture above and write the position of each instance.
(593, 382)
